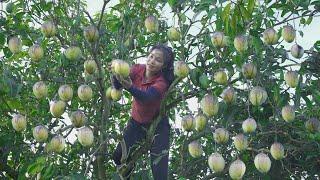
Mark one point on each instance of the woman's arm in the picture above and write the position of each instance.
(152, 93)
(133, 71)
(144, 96)
(116, 83)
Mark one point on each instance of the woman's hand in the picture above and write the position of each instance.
(109, 65)
(125, 82)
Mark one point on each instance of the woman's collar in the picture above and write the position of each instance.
(152, 78)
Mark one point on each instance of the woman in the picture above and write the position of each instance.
(148, 83)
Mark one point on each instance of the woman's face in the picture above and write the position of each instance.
(155, 61)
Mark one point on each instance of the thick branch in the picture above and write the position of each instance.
(104, 108)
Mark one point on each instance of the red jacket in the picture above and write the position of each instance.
(147, 96)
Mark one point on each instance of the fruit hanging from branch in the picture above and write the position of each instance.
(173, 34)
(181, 69)
(249, 125)
(229, 95)
(48, 29)
(91, 33)
(288, 33)
(237, 169)
(216, 162)
(221, 136)
(40, 133)
(187, 122)
(36, 52)
(195, 149)
(85, 92)
(108, 93)
(249, 70)
(122, 68)
(240, 42)
(90, 66)
(57, 144)
(291, 78)
(15, 45)
(78, 118)
(19, 122)
(115, 94)
(65, 92)
(200, 122)
(270, 36)
(113, 64)
(288, 113)
(220, 77)
(277, 151)
(240, 141)
(204, 81)
(219, 40)
(57, 108)
(40, 90)
(297, 51)
(312, 125)
(258, 96)
(151, 23)
(73, 53)
(262, 162)
(85, 136)
(209, 105)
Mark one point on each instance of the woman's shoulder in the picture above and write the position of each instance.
(161, 80)
(138, 66)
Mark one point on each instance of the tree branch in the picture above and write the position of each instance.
(287, 19)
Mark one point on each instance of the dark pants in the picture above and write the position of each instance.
(135, 132)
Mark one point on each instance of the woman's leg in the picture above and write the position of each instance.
(160, 148)
(132, 134)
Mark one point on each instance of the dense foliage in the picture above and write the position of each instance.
(244, 61)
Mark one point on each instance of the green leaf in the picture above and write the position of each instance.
(226, 12)
(316, 95)
(276, 94)
(33, 169)
(172, 2)
(237, 60)
(309, 20)
(308, 102)
(317, 46)
(37, 166)
(14, 104)
(301, 33)
(2, 39)
(48, 172)
(233, 23)
(257, 44)
(77, 177)
(251, 5)
(245, 13)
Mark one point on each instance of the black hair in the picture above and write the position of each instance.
(168, 55)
